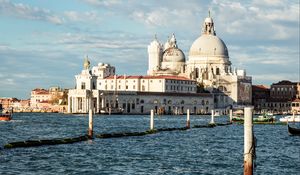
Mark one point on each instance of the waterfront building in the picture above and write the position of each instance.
(296, 106)
(281, 97)
(165, 94)
(260, 97)
(48, 100)
(7, 102)
(172, 83)
(208, 65)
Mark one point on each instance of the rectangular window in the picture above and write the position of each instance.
(83, 85)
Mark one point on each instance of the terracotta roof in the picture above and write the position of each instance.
(260, 87)
(149, 77)
(296, 100)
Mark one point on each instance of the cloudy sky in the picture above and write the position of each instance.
(43, 43)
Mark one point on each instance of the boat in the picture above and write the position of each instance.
(5, 116)
(261, 118)
(266, 117)
(110, 111)
(293, 131)
(290, 118)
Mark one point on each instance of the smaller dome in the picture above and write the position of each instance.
(173, 54)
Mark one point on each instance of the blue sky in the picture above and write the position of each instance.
(43, 43)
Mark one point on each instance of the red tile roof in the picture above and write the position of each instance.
(260, 87)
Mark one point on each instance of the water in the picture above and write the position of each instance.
(216, 150)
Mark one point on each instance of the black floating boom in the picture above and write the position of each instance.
(32, 143)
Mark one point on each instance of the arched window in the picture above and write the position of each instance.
(197, 73)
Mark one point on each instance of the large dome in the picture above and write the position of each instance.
(173, 54)
(209, 45)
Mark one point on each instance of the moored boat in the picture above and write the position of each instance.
(293, 131)
(5, 117)
(290, 118)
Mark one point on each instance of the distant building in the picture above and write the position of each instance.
(47, 100)
(280, 98)
(135, 94)
(296, 106)
(260, 97)
(169, 74)
(7, 102)
(283, 91)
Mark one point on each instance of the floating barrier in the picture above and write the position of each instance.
(33, 143)
(264, 123)
(128, 134)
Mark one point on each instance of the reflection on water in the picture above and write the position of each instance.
(197, 151)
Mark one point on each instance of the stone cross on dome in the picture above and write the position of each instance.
(208, 26)
(173, 42)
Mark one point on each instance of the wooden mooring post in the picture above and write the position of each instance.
(249, 145)
(230, 115)
(212, 117)
(188, 122)
(90, 130)
(151, 119)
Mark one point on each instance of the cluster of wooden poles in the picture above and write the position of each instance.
(249, 145)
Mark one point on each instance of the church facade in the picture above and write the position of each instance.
(172, 85)
(208, 65)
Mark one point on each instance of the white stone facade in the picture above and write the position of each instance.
(170, 77)
(208, 64)
(135, 94)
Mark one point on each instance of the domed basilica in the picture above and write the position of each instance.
(173, 84)
(208, 64)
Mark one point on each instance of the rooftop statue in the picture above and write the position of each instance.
(86, 64)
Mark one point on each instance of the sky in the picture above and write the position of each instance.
(43, 43)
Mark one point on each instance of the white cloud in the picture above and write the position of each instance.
(104, 2)
(7, 81)
(258, 19)
(82, 16)
(24, 11)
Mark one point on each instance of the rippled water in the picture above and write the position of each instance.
(216, 150)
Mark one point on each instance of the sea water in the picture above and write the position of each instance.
(216, 150)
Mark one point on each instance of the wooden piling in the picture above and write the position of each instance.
(248, 141)
(151, 119)
(212, 117)
(188, 123)
(90, 130)
(293, 117)
(230, 115)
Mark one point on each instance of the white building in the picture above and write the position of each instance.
(172, 82)
(135, 94)
(208, 64)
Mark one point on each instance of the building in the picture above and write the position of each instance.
(281, 98)
(48, 100)
(7, 102)
(170, 77)
(135, 94)
(260, 97)
(295, 107)
(208, 65)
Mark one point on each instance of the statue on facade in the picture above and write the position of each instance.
(86, 64)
